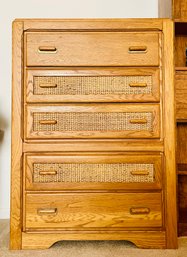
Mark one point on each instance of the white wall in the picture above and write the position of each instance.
(47, 9)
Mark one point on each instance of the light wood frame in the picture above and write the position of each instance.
(16, 160)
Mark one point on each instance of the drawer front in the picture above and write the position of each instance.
(93, 171)
(93, 210)
(93, 121)
(92, 48)
(98, 85)
(181, 95)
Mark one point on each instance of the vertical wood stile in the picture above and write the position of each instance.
(170, 163)
(16, 219)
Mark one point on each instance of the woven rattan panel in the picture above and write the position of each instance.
(93, 172)
(92, 85)
(97, 121)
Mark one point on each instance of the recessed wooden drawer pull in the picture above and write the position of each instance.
(141, 121)
(48, 122)
(47, 49)
(46, 211)
(49, 172)
(140, 172)
(137, 49)
(136, 84)
(48, 85)
(139, 210)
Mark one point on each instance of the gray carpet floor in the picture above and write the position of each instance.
(88, 248)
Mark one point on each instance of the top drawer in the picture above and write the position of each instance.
(92, 49)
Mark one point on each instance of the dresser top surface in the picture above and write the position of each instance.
(93, 24)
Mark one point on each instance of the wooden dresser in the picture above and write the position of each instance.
(93, 128)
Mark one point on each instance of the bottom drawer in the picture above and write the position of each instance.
(93, 210)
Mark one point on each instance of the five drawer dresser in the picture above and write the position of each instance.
(93, 134)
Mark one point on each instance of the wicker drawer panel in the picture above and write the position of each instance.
(89, 85)
(84, 173)
(93, 121)
(87, 121)
(93, 171)
(93, 85)
(92, 48)
(93, 210)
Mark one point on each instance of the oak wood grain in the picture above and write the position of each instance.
(142, 239)
(170, 161)
(157, 228)
(180, 50)
(88, 127)
(144, 171)
(183, 8)
(89, 145)
(50, 91)
(181, 143)
(182, 202)
(181, 95)
(84, 211)
(16, 144)
(150, 24)
(92, 49)
(177, 9)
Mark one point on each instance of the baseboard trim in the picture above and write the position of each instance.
(4, 213)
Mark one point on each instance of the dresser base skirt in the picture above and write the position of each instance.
(142, 239)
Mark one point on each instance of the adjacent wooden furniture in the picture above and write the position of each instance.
(93, 128)
(177, 9)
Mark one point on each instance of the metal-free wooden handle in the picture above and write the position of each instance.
(137, 49)
(46, 211)
(139, 210)
(48, 122)
(47, 49)
(137, 84)
(48, 85)
(139, 172)
(139, 121)
(47, 172)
